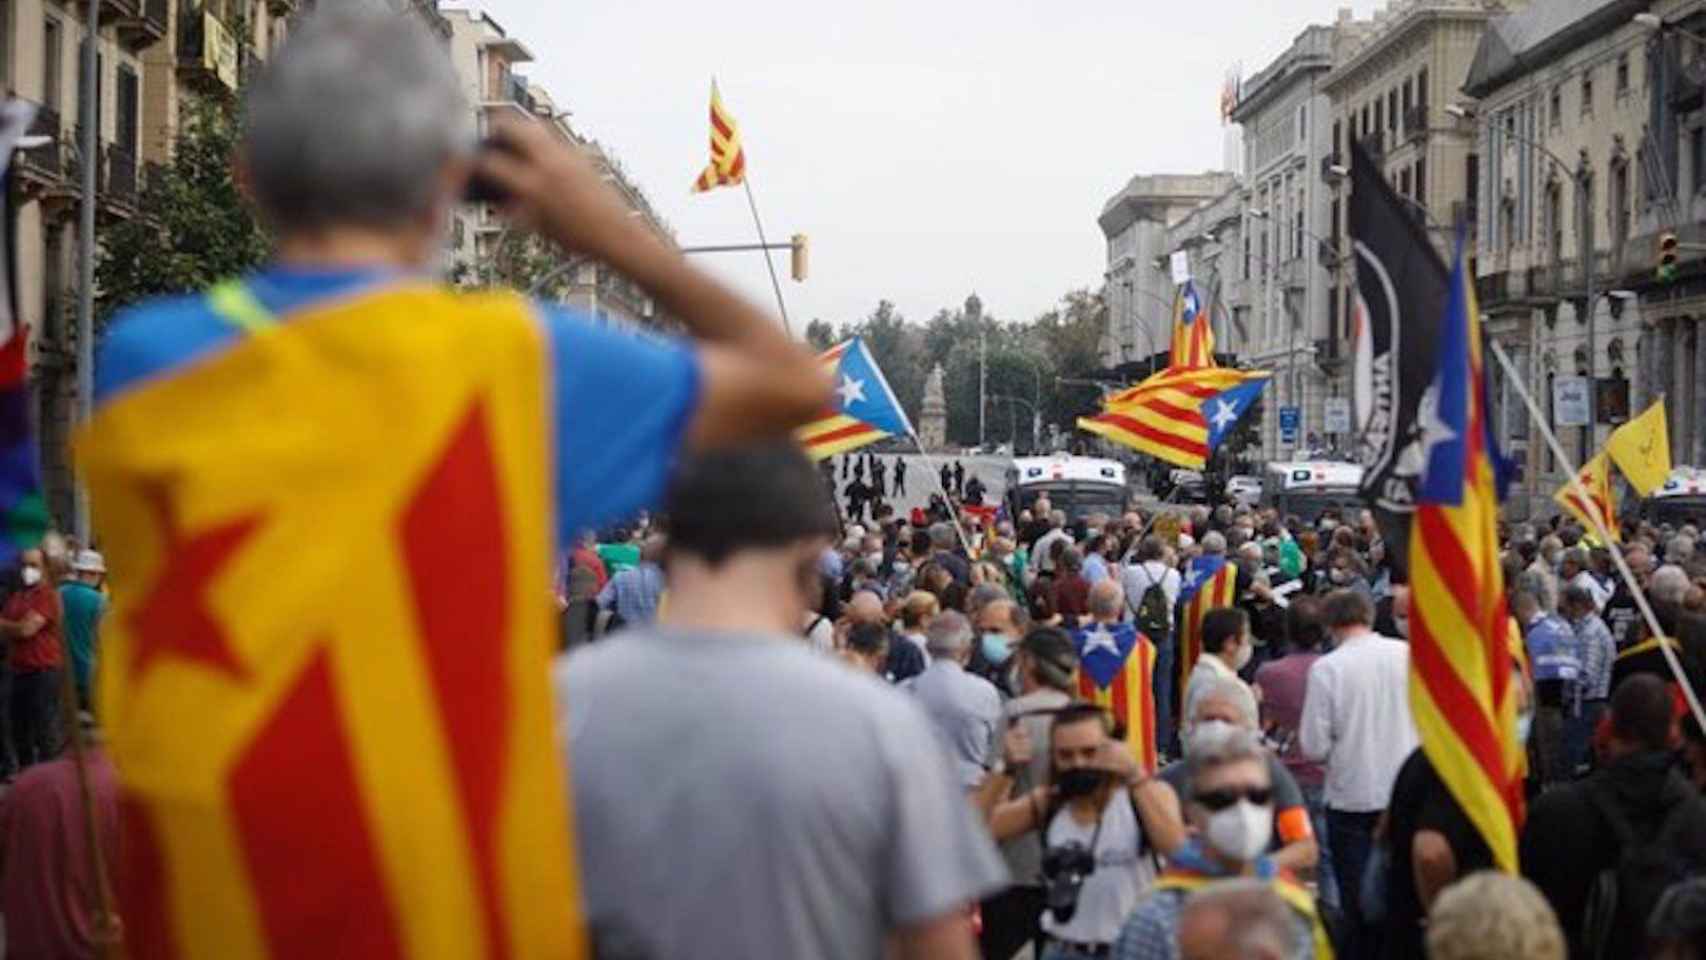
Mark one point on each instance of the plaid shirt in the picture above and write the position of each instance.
(1597, 649)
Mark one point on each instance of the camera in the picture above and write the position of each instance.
(1064, 870)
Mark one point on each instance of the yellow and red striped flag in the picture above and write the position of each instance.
(1178, 415)
(1461, 690)
(325, 670)
(864, 409)
(1193, 331)
(1210, 584)
(1116, 671)
(1600, 503)
(728, 157)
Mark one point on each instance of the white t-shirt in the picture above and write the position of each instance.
(1122, 876)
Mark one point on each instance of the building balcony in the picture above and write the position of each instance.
(209, 57)
(139, 23)
(513, 95)
(1328, 162)
(119, 184)
(1415, 125)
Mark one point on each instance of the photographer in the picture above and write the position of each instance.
(1096, 864)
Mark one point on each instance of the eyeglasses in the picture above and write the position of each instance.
(1221, 799)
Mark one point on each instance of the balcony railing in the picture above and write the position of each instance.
(1415, 122)
(1328, 162)
(208, 52)
(138, 23)
(47, 161)
(120, 178)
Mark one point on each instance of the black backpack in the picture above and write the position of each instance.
(1622, 897)
(1153, 613)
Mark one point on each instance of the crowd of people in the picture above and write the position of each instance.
(791, 733)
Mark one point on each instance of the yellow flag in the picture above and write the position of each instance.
(1641, 448)
(1599, 504)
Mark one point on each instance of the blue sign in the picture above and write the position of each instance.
(1290, 419)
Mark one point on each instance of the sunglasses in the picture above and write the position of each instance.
(1221, 799)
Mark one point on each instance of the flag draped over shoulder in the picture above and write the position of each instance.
(1178, 415)
(1116, 670)
(1461, 690)
(865, 410)
(324, 676)
(1210, 584)
(1597, 509)
(1193, 330)
(728, 157)
(1641, 449)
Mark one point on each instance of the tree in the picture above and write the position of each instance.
(193, 228)
(820, 334)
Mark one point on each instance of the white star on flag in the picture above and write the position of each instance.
(1100, 639)
(1434, 430)
(1224, 413)
(1194, 580)
(852, 391)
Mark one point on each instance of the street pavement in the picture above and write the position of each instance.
(922, 480)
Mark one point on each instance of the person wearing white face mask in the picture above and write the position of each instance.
(31, 624)
(1231, 809)
(1226, 649)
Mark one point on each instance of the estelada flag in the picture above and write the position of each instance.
(1179, 415)
(1462, 695)
(1193, 333)
(1116, 671)
(728, 157)
(864, 410)
(325, 674)
(1641, 449)
(1598, 509)
(1210, 584)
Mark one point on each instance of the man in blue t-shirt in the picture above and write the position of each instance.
(355, 148)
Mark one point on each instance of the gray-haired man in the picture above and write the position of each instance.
(966, 708)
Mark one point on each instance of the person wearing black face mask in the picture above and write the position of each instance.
(1096, 861)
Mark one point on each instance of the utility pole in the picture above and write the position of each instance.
(90, 113)
(1584, 217)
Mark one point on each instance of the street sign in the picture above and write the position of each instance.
(1290, 419)
(1570, 401)
(1336, 415)
(1181, 263)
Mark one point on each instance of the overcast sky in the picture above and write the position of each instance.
(929, 148)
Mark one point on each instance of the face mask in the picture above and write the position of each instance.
(1246, 650)
(1205, 734)
(1524, 725)
(1241, 831)
(995, 647)
(1079, 782)
(1340, 576)
(1403, 625)
(30, 575)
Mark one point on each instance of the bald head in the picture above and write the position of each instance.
(865, 608)
(1106, 600)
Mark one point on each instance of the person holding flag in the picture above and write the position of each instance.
(334, 488)
(1116, 672)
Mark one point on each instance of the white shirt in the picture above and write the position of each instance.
(1356, 720)
(1122, 874)
(1136, 578)
(1040, 559)
(1595, 589)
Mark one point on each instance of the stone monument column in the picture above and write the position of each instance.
(933, 421)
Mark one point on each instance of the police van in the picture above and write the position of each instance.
(1078, 485)
(1308, 489)
(1681, 500)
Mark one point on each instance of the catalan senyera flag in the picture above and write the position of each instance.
(1116, 671)
(1641, 449)
(1193, 330)
(1179, 415)
(325, 674)
(1210, 584)
(864, 409)
(1599, 507)
(1461, 690)
(728, 157)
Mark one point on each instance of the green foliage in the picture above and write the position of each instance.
(193, 228)
(820, 334)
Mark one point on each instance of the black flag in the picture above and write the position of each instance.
(1401, 295)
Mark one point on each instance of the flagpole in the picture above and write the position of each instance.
(1515, 380)
(775, 284)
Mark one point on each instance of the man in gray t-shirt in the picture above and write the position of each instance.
(737, 794)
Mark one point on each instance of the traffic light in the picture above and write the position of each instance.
(1667, 257)
(798, 243)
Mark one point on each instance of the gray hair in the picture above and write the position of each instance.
(1235, 746)
(1668, 583)
(941, 536)
(1224, 690)
(354, 121)
(948, 635)
(1214, 542)
(1057, 518)
(1257, 922)
(1680, 547)
(983, 595)
(1535, 586)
